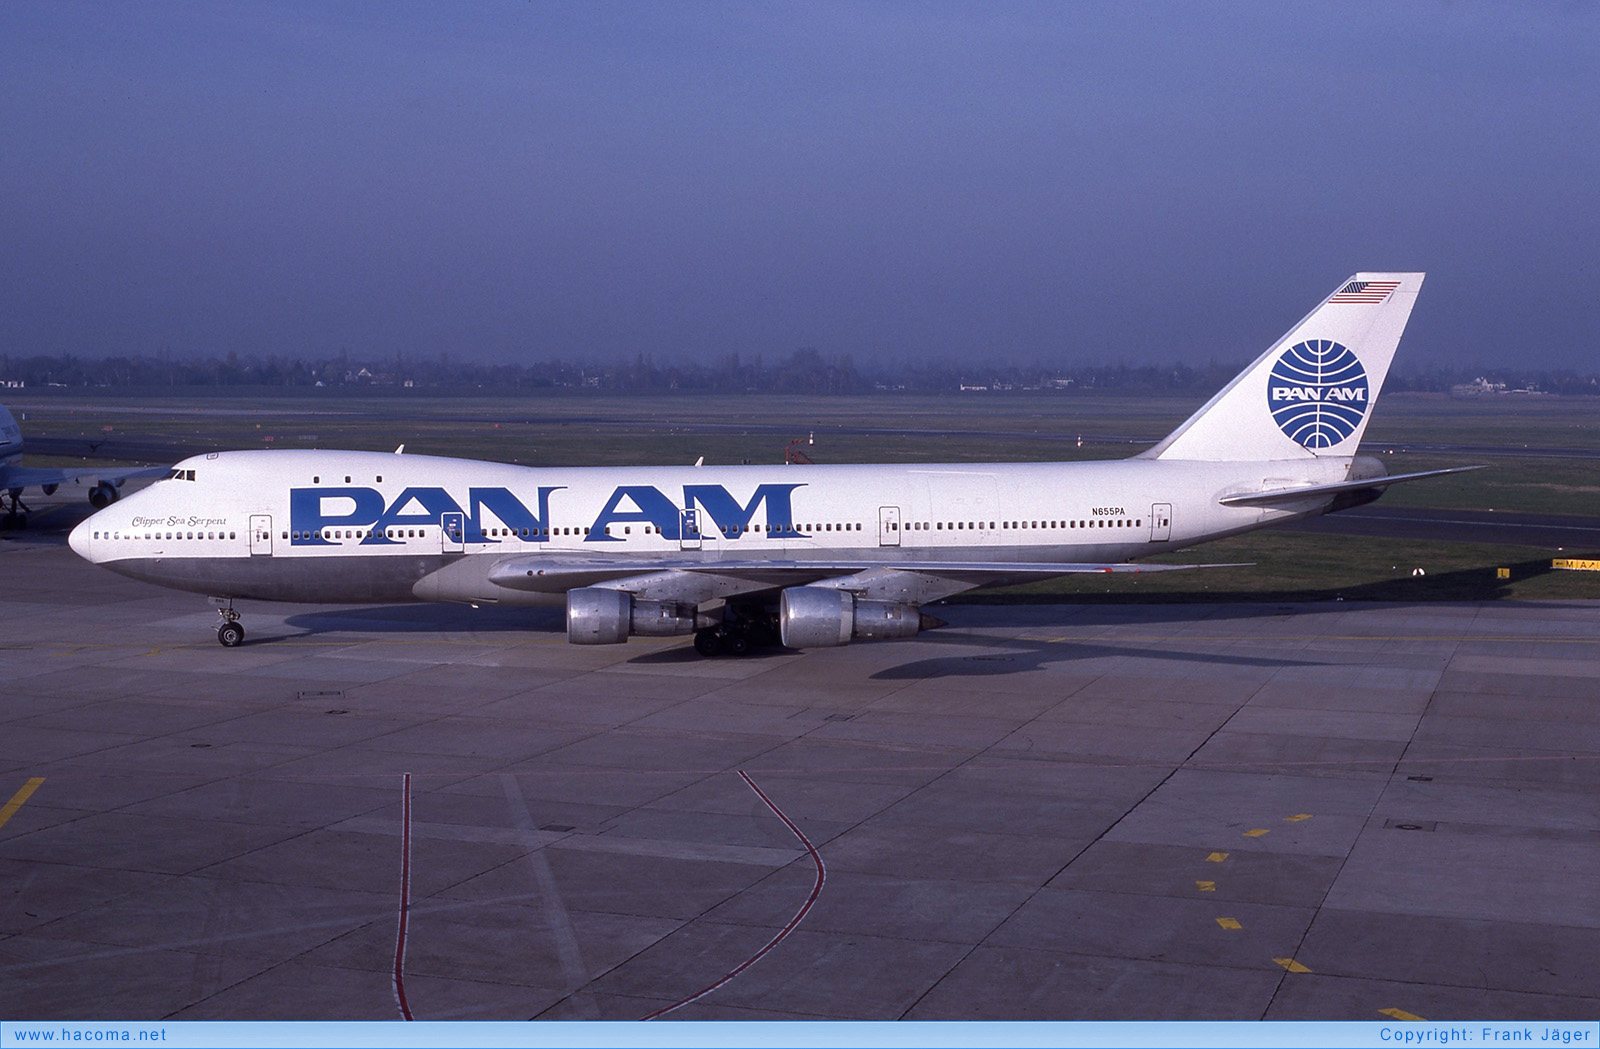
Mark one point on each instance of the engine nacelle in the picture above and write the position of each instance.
(814, 617)
(597, 616)
(103, 495)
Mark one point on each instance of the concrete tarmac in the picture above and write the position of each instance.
(1331, 811)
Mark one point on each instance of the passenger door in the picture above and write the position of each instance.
(888, 526)
(260, 534)
(1160, 522)
(689, 529)
(452, 529)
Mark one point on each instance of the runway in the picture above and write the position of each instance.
(1319, 811)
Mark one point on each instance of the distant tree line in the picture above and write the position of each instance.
(804, 371)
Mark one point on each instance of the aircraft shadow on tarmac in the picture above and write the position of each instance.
(1016, 656)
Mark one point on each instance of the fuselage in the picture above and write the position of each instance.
(362, 526)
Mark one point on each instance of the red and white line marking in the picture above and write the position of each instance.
(405, 903)
(816, 890)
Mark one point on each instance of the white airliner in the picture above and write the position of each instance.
(813, 556)
(14, 478)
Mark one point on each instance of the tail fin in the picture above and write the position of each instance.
(1312, 393)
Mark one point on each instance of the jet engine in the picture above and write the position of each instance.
(103, 495)
(815, 617)
(597, 616)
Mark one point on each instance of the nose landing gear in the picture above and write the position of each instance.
(231, 632)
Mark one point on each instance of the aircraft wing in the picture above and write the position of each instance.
(117, 475)
(1289, 495)
(31, 477)
(690, 580)
(13, 477)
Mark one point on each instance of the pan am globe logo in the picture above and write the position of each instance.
(1317, 393)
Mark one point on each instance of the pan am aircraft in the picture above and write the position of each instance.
(14, 477)
(812, 556)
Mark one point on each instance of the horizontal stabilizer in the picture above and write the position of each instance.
(1292, 495)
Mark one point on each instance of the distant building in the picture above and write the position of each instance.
(1481, 387)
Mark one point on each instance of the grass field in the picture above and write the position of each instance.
(590, 430)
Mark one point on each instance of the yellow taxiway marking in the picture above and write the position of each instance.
(1206, 886)
(1229, 923)
(18, 798)
(1292, 965)
(1258, 832)
(1216, 857)
(1401, 1014)
(1298, 818)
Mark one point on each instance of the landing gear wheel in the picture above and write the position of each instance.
(736, 645)
(231, 635)
(708, 643)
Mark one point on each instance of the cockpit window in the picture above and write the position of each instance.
(181, 475)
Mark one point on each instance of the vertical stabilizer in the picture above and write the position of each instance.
(1312, 393)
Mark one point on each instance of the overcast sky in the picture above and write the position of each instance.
(1061, 181)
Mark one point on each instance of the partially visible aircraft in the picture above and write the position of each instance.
(812, 556)
(106, 489)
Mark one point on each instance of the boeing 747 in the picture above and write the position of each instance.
(811, 556)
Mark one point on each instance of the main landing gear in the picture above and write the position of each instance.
(231, 632)
(744, 630)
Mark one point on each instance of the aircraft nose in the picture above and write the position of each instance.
(79, 539)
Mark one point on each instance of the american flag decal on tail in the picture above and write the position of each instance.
(1365, 291)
